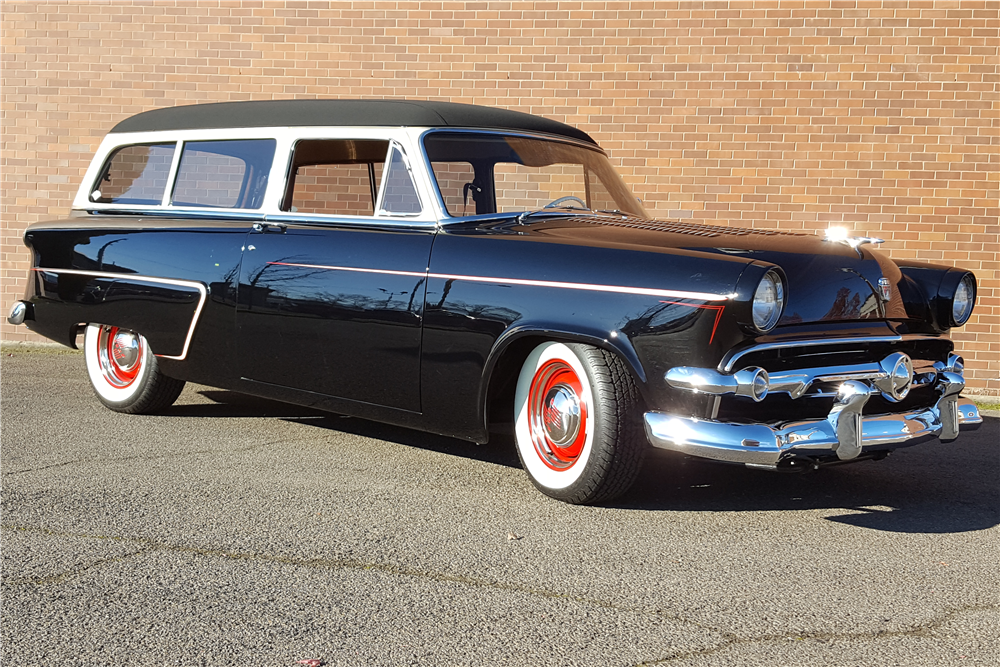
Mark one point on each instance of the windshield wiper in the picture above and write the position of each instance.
(561, 212)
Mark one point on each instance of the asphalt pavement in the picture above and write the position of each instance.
(237, 531)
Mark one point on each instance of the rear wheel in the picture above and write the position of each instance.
(577, 423)
(124, 372)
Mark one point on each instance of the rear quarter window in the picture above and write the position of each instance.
(135, 174)
(223, 174)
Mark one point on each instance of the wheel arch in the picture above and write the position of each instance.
(513, 347)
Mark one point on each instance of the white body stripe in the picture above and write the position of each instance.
(645, 291)
(163, 281)
(203, 291)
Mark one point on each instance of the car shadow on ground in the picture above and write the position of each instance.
(233, 404)
(929, 488)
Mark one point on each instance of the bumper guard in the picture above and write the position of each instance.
(845, 432)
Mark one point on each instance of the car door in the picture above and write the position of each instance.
(331, 292)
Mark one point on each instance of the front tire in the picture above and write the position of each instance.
(578, 423)
(124, 373)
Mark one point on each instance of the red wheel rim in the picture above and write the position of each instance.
(120, 353)
(557, 415)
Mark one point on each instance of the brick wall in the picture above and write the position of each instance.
(883, 117)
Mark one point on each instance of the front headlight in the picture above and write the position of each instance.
(964, 299)
(768, 301)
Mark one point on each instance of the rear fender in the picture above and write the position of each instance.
(165, 311)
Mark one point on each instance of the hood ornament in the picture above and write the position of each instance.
(841, 235)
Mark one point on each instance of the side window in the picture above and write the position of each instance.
(456, 183)
(134, 175)
(335, 176)
(399, 195)
(223, 174)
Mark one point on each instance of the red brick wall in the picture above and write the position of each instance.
(883, 117)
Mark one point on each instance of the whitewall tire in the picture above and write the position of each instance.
(577, 423)
(124, 373)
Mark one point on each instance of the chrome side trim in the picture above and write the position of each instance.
(700, 296)
(732, 357)
(124, 210)
(203, 291)
(767, 445)
(330, 220)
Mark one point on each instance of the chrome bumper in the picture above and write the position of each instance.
(844, 433)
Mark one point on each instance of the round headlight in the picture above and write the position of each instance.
(768, 301)
(965, 297)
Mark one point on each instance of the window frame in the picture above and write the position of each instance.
(116, 141)
(380, 211)
(433, 213)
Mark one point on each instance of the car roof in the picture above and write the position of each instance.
(319, 113)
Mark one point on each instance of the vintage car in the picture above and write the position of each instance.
(455, 268)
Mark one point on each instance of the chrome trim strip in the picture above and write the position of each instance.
(766, 445)
(149, 279)
(175, 165)
(331, 220)
(177, 213)
(700, 296)
(729, 361)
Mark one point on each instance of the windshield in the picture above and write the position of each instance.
(479, 174)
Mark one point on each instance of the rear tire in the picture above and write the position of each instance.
(124, 373)
(578, 423)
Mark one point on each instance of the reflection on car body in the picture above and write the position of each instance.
(446, 267)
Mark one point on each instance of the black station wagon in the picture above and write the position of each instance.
(447, 267)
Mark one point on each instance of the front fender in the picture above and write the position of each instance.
(540, 330)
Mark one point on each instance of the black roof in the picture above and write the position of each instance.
(298, 113)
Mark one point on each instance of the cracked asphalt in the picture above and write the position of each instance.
(237, 531)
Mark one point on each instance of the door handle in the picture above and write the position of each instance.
(270, 227)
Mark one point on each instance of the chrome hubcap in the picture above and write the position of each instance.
(557, 415)
(561, 415)
(125, 349)
(119, 353)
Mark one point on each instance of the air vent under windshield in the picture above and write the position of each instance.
(685, 227)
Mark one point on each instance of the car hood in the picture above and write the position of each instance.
(826, 280)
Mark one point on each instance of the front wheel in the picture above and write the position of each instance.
(578, 423)
(124, 373)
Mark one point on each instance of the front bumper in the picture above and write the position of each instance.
(844, 434)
